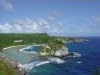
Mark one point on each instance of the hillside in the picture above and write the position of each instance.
(7, 69)
(11, 39)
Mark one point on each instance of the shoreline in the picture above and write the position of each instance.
(23, 68)
(11, 47)
(22, 49)
(17, 46)
(15, 64)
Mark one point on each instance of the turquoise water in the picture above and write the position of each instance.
(21, 57)
(33, 48)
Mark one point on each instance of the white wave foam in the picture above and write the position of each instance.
(23, 49)
(79, 62)
(33, 64)
(56, 60)
(38, 63)
(76, 54)
(11, 47)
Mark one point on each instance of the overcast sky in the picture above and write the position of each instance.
(55, 17)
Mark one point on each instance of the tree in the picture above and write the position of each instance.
(56, 44)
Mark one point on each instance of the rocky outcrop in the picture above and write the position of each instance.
(58, 53)
(14, 64)
(62, 52)
(23, 72)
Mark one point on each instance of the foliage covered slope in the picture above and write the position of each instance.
(7, 39)
(6, 69)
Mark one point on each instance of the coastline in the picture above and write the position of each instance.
(11, 47)
(23, 68)
(22, 49)
(14, 64)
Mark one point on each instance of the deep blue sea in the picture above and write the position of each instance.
(89, 61)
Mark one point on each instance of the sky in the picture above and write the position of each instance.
(55, 17)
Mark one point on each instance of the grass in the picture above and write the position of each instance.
(7, 69)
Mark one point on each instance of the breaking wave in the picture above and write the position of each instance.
(76, 54)
(29, 47)
(56, 60)
(79, 62)
(38, 63)
(33, 64)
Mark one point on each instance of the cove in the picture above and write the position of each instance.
(22, 57)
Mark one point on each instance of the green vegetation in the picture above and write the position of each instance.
(47, 50)
(8, 39)
(6, 69)
(52, 46)
(55, 44)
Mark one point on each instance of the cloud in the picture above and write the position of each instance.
(81, 30)
(60, 23)
(50, 24)
(96, 19)
(6, 5)
(53, 15)
(56, 13)
(29, 26)
(51, 18)
(42, 22)
(5, 28)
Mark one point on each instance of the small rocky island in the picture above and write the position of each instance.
(54, 48)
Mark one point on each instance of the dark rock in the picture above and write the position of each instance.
(23, 72)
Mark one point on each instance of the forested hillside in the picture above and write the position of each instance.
(9, 39)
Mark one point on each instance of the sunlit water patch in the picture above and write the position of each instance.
(21, 57)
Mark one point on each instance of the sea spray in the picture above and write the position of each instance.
(33, 64)
(29, 47)
(56, 60)
(25, 48)
(38, 63)
(74, 54)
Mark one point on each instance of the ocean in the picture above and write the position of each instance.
(87, 64)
